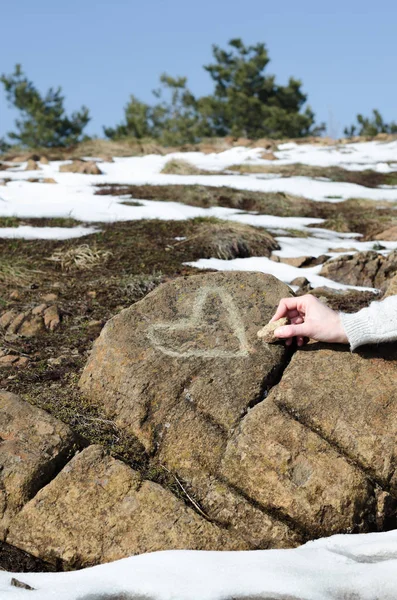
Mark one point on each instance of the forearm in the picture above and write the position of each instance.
(372, 325)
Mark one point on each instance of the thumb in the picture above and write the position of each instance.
(289, 331)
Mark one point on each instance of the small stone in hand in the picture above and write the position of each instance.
(267, 332)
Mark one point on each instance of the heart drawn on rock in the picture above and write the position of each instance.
(215, 333)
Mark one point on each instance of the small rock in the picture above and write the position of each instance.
(31, 165)
(316, 260)
(38, 310)
(31, 326)
(295, 261)
(15, 295)
(267, 333)
(268, 156)
(8, 360)
(301, 261)
(20, 584)
(81, 166)
(302, 283)
(22, 362)
(6, 318)
(48, 180)
(51, 297)
(44, 160)
(342, 250)
(52, 317)
(16, 323)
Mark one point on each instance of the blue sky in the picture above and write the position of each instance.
(345, 52)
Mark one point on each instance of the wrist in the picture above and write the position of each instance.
(339, 333)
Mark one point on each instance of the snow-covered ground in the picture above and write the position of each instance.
(342, 567)
(74, 197)
(27, 232)
(147, 170)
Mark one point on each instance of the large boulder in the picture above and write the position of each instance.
(184, 371)
(98, 509)
(350, 400)
(189, 350)
(34, 446)
(289, 469)
(369, 269)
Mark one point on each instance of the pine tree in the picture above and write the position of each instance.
(4, 145)
(247, 102)
(137, 122)
(370, 126)
(43, 121)
(173, 120)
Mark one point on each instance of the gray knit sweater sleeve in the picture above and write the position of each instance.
(372, 325)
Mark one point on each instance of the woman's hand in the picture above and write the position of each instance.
(309, 318)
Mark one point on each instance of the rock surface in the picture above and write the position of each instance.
(390, 287)
(172, 370)
(369, 269)
(301, 261)
(181, 368)
(33, 447)
(98, 510)
(190, 347)
(350, 399)
(290, 470)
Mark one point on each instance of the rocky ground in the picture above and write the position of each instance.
(56, 297)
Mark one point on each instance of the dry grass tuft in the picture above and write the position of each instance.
(219, 239)
(178, 166)
(80, 258)
(14, 274)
